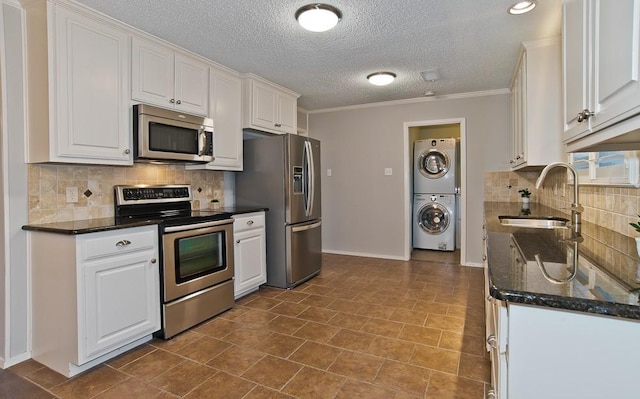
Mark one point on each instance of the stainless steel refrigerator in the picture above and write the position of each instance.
(282, 172)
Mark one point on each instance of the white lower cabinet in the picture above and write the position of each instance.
(250, 252)
(95, 295)
(539, 352)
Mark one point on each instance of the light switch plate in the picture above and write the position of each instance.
(329, 172)
(388, 171)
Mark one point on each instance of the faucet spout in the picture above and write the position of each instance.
(576, 208)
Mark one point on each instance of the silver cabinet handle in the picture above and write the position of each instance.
(491, 341)
(127, 151)
(278, 125)
(249, 222)
(584, 115)
(172, 101)
(179, 102)
(484, 257)
(123, 243)
(154, 260)
(237, 241)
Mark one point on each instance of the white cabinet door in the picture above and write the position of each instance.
(152, 73)
(288, 113)
(518, 113)
(78, 86)
(601, 65)
(163, 77)
(226, 111)
(191, 85)
(265, 106)
(575, 44)
(250, 252)
(617, 60)
(121, 301)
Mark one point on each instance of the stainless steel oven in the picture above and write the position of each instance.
(196, 251)
(197, 270)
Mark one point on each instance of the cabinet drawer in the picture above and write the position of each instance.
(115, 242)
(248, 221)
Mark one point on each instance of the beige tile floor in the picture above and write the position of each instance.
(363, 328)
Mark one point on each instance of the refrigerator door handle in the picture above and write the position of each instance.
(307, 180)
(312, 178)
(298, 229)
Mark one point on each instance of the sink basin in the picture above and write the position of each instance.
(541, 222)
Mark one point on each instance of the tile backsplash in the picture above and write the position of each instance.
(607, 206)
(48, 183)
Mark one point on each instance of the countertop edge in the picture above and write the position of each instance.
(87, 230)
(108, 226)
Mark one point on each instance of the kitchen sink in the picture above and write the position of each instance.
(537, 222)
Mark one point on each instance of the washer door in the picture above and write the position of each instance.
(433, 163)
(434, 218)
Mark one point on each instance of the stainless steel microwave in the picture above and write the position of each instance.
(164, 135)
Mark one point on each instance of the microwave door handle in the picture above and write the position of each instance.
(202, 141)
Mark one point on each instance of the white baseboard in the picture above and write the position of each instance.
(473, 264)
(6, 363)
(365, 255)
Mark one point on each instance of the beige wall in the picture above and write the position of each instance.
(48, 183)
(362, 209)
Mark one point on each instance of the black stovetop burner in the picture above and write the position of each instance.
(166, 204)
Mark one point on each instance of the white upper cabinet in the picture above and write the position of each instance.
(225, 108)
(169, 79)
(269, 107)
(601, 65)
(536, 116)
(78, 83)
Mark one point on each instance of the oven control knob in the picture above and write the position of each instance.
(154, 260)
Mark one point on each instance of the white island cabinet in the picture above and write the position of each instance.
(250, 255)
(95, 295)
(78, 84)
(601, 54)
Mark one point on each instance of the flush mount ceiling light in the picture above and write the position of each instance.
(522, 7)
(318, 17)
(381, 78)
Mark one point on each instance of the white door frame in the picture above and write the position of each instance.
(408, 169)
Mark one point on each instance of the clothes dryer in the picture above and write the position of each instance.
(434, 166)
(434, 221)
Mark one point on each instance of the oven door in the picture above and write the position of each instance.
(196, 257)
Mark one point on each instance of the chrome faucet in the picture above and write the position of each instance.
(576, 208)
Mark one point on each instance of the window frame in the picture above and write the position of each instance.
(625, 173)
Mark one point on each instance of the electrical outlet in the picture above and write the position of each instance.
(388, 171)
(72, 194)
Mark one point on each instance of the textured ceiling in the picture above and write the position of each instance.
(474, 43)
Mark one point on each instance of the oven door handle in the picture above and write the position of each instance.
(173, 229)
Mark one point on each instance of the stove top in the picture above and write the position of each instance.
(169, 205)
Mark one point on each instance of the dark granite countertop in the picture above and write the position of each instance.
(608, 277)
(106, 224)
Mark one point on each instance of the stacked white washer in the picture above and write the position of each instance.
(434, 186)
